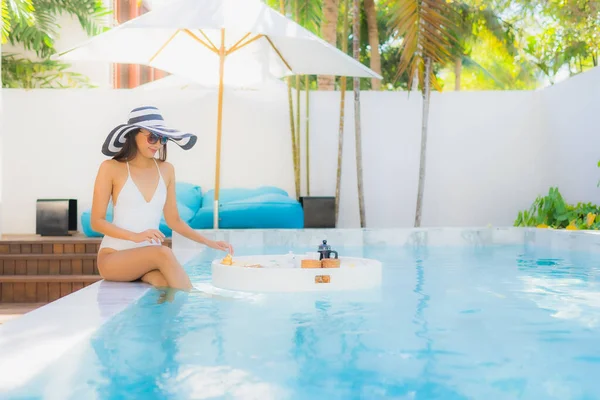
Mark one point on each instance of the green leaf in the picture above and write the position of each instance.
(18, 72)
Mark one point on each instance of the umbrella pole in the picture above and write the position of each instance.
(219, 130)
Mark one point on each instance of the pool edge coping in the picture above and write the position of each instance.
(62, 324)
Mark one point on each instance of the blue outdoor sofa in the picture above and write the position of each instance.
(265, 207)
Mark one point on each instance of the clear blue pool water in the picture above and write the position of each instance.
(448, 323)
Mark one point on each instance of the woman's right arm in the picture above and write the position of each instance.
(102, 193)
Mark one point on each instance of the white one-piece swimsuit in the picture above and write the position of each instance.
(135, 214)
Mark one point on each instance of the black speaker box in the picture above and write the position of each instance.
(319, 211)
(56, 217)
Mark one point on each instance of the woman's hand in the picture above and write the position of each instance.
(223, 246)
(151, 235)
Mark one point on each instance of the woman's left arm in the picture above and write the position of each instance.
(175, 222)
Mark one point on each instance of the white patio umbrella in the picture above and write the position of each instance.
(211, 38)
(179, 82)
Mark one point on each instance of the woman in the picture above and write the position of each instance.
(142, 190)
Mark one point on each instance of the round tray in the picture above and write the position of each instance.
(282, 273)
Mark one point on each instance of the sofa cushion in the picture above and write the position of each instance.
(189, 194)
(236, 194)
(266, 211)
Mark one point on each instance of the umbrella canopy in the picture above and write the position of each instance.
(205, 40)
(272, 43)
(179, 82)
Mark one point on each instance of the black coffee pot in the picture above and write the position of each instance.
(325, 251)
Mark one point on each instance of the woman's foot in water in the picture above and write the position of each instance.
(167, 295)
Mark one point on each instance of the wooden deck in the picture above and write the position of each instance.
(75, 237)
(39, 270)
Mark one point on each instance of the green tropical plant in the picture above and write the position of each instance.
(476, 19)
(561, 35)
(550, 210)
(553, 211)
(22, 73)
(310, 12)
(15, 11)
(33, 25)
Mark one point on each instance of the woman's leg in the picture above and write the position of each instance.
(156, 279)
(132, 264)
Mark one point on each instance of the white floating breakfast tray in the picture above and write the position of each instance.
(282, 273)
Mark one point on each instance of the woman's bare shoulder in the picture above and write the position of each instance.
(166, 166)
(111, 167)
(167, 170)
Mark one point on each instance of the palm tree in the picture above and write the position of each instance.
(373, 33)
(294, 140)
(427, 30)
(308, 14)
(338, 180)
(329, 34)
(357, 125)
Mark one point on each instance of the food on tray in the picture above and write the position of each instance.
(227, 260)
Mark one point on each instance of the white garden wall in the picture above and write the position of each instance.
(571, 123)
(484, 162)
(489, 153)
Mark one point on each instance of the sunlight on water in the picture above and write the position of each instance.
(448, 323)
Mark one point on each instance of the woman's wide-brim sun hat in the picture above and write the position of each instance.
(151, 119)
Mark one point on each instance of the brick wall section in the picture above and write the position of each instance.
(41, 271)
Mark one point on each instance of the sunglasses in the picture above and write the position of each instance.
(153, 138)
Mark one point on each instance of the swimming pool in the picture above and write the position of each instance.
(461, 314)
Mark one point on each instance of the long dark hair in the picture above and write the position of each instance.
(130, 149)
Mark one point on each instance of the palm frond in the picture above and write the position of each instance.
(311, 14)
(33, 24)
(13, 12)
(88, 12)
(21, 10)
(426, 30)
(41, 35)
(5, 22)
